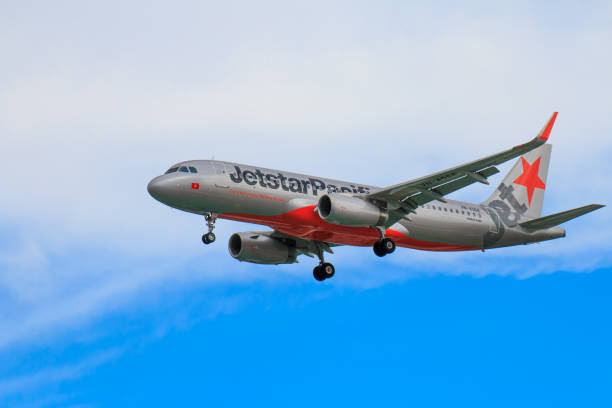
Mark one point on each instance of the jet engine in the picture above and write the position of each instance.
(261, 249)
(350, 211)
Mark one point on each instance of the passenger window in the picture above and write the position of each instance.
(445, 209)
(183, 169)
(172, 170)
(192, 169)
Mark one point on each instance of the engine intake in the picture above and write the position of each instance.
(350, 211)
(257, 248)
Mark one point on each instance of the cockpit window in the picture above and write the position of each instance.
(183, 169)
(172, 170)
(192, 169)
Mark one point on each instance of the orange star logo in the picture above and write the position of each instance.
(530, 177)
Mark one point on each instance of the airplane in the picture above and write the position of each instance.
(311, 215)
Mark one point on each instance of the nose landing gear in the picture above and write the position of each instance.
(209, 237)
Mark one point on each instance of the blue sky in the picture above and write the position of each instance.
(437, 341)
(109, 298)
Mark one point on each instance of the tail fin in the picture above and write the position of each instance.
(522, 190)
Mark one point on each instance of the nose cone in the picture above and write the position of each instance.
(161, 189)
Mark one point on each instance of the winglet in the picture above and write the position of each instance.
(545, 132)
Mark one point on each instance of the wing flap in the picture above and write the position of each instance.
(425, 196)
(303, 245)
(559, 218)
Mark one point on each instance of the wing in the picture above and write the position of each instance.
(413, 193)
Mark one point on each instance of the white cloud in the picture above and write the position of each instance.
(94, 103)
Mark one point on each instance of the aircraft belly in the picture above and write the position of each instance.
(301, 220)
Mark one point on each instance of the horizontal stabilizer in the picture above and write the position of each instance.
(559, 218)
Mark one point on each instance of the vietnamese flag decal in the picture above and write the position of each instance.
(195, 186)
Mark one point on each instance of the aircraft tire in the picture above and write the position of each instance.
(328, 270)
(388, 245)
(378, 249)
(208, 238)
(318, 273)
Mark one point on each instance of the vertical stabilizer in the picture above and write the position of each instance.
(522, 190)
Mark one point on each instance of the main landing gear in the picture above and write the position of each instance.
(209, 237)
(384, 246)
(324, 270)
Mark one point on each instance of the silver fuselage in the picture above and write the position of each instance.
(284, 201)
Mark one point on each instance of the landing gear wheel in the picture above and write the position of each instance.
(384, 247)
(318, 273)
(328, 270)
(208, 238)
(323, 270)
(378, 249)
(388, 245)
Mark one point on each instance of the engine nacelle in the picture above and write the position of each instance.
(257, 248)
(350, 211)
